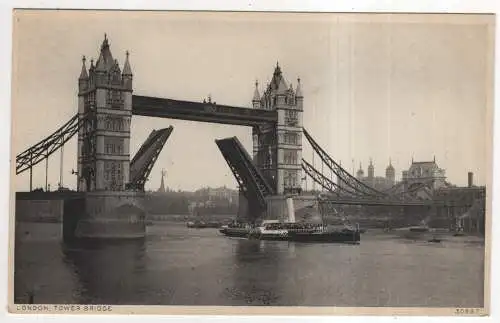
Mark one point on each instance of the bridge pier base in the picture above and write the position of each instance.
(242, 215)
(108, 215)
(276, 208)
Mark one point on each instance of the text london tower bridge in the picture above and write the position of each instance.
(109, 201)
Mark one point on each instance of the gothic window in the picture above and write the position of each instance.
(114, 99)
(113, 175)
(291, 117)
(116, 77)
(290, 179)
(290, 157)
(89, 101)
(290, 138)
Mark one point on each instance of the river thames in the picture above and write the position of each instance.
(175, 265)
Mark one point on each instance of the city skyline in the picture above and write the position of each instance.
(362, 99)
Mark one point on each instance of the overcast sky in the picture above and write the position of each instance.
(375, 86)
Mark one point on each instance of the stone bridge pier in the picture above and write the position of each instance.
(106, 215)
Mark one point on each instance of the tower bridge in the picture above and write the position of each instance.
(110, 185)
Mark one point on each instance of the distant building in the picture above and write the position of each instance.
(216, 195)
(425, 173)
(471, 217)
(223, 193)
(377, 182)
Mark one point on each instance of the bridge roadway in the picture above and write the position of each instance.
(199, 111)
(63, 195)
(55, 195)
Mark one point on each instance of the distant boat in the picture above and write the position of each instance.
(420, 232)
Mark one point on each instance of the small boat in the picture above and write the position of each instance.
(196, 224)
(236, 230)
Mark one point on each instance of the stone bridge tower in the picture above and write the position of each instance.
(277, 149)
(105, 101)
(105, 105)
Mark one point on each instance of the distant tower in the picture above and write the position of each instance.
(105, 101)
(360, 173)
(371, 170)
(390, 173)
(162, 185)
(277, 149)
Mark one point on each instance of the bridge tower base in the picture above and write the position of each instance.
(108, 215)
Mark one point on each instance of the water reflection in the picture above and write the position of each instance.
(178, 266)
(257, 272)
(106, 269)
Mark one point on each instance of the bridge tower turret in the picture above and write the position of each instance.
(83, 85)
(105, 102)
(256, 104)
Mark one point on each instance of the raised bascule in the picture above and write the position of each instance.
(109, 202)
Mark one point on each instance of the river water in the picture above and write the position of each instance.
(175, 265)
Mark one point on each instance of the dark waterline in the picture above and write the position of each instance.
(175, 265)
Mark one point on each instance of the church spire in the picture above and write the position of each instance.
(162, 185)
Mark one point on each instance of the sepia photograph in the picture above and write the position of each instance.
(273, 161)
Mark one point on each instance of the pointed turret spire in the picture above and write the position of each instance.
(126, 68)
(256, 94)
(298, 92)
(105, 61)
(83, 74)
(277, 70)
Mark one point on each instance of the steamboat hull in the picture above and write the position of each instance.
(349, 237)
